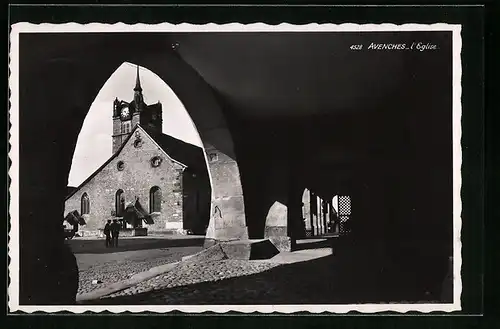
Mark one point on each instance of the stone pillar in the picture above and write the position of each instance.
(306, 211)
(331, 218)
(48, 272)
(276, 229)
(320, 216)
(336, 219)
(314, 213)
(227, 219)
(369, 210)
(295, 221)
(324, 206)
(312, 200)
(48, 269)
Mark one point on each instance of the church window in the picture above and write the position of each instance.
(120, 165)
(119, 203)
(212, 157)
(125, 127)
(85, 204)
(137, 143)
(155, 199)
(155, 161)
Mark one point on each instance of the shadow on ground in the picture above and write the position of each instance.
(358, 275)
(97, 246)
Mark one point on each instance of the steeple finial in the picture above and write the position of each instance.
(137, 81)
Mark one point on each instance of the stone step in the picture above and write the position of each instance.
(250, 249)
(238, 249)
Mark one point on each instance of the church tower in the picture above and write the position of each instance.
(126, 115)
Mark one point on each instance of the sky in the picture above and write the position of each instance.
(94, 147)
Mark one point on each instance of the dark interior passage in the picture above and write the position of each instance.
(289, 112)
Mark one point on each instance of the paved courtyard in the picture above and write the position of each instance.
(244, 282)
(100, 266)
(186, 279)
(314, 274)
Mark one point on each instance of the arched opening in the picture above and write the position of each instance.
(95, 140)
(155, 200)
(74, 98)
(198, 106)
(85, 204)
(119, 114)
(119, 203)
(306, 213)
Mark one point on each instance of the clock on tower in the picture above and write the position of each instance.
(126, 115)
(125, 112)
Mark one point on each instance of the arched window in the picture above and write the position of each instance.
(125, 127)
(119, 203)
(155, 199)
(85, 204)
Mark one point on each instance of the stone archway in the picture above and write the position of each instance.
(307, 212)
(56, 89)
(227, 220)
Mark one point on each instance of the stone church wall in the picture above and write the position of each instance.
(136, 179)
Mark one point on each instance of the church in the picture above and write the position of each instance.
(151, 181)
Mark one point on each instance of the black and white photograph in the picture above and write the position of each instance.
(251, 168)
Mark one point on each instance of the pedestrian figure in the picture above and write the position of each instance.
(115, 231)
(107, 233)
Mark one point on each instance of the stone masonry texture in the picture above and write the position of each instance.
(136, 179)
(187, 273)
(228, 210)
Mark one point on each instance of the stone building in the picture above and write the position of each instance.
(148, 170)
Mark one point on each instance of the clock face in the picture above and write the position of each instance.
(125, 112)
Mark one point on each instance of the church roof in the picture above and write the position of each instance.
(190, 155)
(184, 153)
(133, 106)
(138, 81)
(70, 189)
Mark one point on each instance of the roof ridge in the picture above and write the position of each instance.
(155, 137)
(114, 155)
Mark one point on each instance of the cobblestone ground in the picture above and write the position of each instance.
(333, 279)
(101, 269)
(115, 271)
(226, 282)
(190, 273)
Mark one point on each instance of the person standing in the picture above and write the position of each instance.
(107, 233)
(115, 231)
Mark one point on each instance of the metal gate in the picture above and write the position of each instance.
(344, 213)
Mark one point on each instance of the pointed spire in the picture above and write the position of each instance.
(137, 81)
